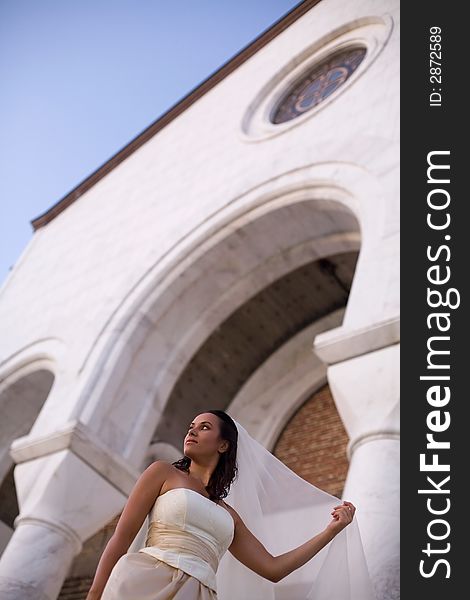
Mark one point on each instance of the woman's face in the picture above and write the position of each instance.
(202, 437)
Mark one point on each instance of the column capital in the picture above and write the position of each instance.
(79, 439)
(69, 534)
(366, 390)
(343, 343)
(371, 436)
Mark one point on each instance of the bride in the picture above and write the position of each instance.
(265, 526)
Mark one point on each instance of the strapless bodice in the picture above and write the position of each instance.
(189, 531)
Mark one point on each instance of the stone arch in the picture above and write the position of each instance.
(22, 396)
(281, 230)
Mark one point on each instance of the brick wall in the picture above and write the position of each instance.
(313, 443)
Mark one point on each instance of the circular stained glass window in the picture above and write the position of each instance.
(319, 83)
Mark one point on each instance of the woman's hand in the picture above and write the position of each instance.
(342, 516)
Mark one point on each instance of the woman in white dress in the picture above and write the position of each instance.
(191, 527)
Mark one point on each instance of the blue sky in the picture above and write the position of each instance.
(81, 78)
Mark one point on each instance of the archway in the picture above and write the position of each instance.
(22, 395)
(266, 258)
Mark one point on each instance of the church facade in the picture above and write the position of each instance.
(242, 253)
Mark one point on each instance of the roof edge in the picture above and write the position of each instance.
(207, 84)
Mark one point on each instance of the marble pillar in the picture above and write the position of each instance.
(366, 392)
(37, 559)
(68, 487)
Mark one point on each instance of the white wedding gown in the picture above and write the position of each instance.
(187, 535)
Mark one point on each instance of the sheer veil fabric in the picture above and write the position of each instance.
(283, 511)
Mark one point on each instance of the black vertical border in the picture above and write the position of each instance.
(425, 129)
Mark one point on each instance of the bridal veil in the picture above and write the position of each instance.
(283, 511)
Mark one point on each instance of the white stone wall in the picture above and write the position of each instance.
(78, 268)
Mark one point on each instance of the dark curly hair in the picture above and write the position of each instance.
(226, 469)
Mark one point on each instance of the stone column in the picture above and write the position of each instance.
(365, 388)
(37, 559)
(69, 486)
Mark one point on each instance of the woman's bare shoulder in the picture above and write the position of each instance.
(232, 511)
(161, 465)
(162, 469)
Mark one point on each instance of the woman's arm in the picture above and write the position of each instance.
(250, 551)
(292, 560)
(138, 505)
(115, 548)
